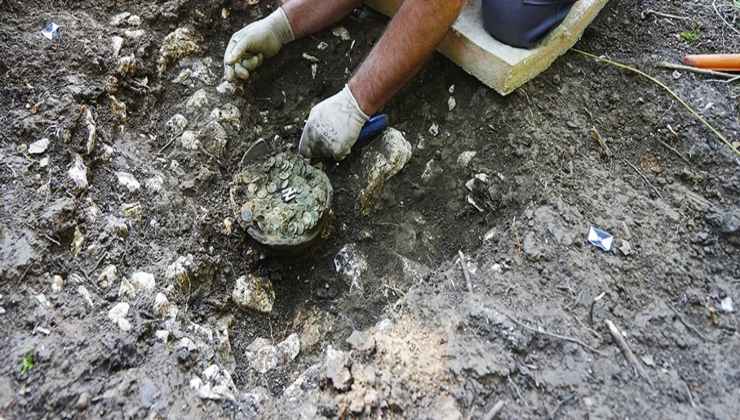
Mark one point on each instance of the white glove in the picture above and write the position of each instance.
(258, 40)
(333, 127)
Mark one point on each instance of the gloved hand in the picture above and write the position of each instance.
(255, 42)
(333, 127)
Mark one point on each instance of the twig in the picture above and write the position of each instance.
(674, 66)
(560, 405)
(593, 304)
(169, 143)
(52, 240)
(516, 390)
(655, 190)
(686, 324)
(688, 107)
(597, 136)
(626, 350)
(661, 14)
(558, 336)
(691, 396)
(673, 149)
(466, 274)
(591, 330)
(493, 413)
(729, 25)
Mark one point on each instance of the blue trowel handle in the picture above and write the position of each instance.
(373, 127)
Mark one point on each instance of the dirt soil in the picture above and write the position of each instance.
(116, 289)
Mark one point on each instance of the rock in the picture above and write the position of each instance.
(116, 45)
(227, 114)
(336, 368)
(189, 140)
(361, 341)
(264, 355)
(163, 308)
(451, 104)
(132, 211)
(42, 300)
(118, 108)
(154, 184)
(108, 276)
(625, 248)
(217, 384)
(254, 292)
(181, 43)
(382, 160)
(82, 290)
(127, 180)
(434, 129)
(78, 173)
(289, 349)
(134, 20)
(179, 271)
(126, 65)
(465, 157)
(117, 226)
(226, 88)
(83, 401)
(196, 102)
(77, 240)
(727, 223)
(134, 34)
(351, 263)
(726, 305)
(342, 33)
(119, 19)
(38, 147)
(118, 313)
(176, 125)
(214, 138)
(57, 283)
(139, 281)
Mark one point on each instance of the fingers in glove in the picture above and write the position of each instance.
(241, 72)
(252, 62)
(229, 73)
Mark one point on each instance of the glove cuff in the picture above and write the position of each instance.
(351, 99)
(281, 25)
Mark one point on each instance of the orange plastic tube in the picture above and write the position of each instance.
(720, 62)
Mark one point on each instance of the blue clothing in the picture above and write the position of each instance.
(523, 23)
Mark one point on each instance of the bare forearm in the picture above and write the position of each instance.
(310, 16)
(417, 28)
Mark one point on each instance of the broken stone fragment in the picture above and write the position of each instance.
(128, 181)
(82, 290)
(137, 282)
(214, 138)
(196, 102)
(181, 43)
(163, 308)
(226, 88)
(126, 65)
(78, 173)
(351, 263)
(77, 240)
(117, 226)
(116, 45)
(252, 292)
(176, 125)
(118, 313)
(382, 160)
(465, 157)
(189, 140)
(57, 283)
(108, 276)
(132, 211)
(336, 368)
(119, 19)
(38, 147)
(289, 349)
(179, 271)
(362, 342)
(216, 384)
